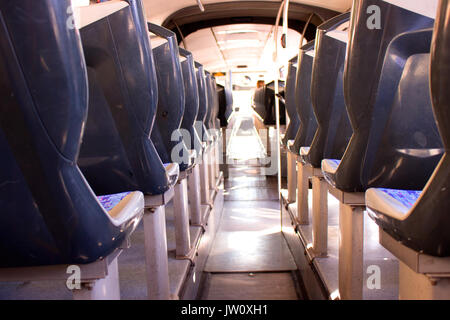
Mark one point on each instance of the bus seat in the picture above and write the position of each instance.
(225, 105)
(269, 104)
(258, 102)
(122, 105)
(50, 215)
(308, 124)
(420, 219)
(171, 97)
(212, 122)
(215, 120)
(365, 56)
(229, 102)
(191, 101)
(404, 145)
(203, 103)
(327, 96)
(209, 120)
(291, 108)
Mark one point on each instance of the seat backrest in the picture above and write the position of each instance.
(122, 105)
(203, 101)
(211, 101)
(291, 109)
(191, 99)
(269, 104)
(327, 95)
(49, 214)
(425, 229)
(440, 74)
(202, 92)
(229, 101)
(258, 102)
(308, 122)
(365, 55)
(222, 95)
(171, 97)
(215, 115)
(431, 213)
(404, 145)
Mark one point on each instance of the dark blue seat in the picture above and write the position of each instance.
(229, 102)
(289, 95)
(122, 106)
(269, 104)
(366, 53)
(222, 105)
(327, 94)
(308, 122)
(203, 103)
(404, 145)
(191, 108)
(213, 102)
(215, 120)
(225, 104)
(49, 213)
(419, 218)
(258, 102)
(171, 100)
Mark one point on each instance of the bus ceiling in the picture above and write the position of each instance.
(185, 17)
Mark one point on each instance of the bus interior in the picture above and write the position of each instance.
(224, 150)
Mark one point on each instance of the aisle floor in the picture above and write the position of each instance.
(250, 258)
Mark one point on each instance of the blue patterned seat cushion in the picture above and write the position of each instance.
(392, 202)
(330, 165)
(109, 201)
(405, 197)
(304, 151)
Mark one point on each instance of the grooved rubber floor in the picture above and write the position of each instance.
(250, 286)
(250, 258)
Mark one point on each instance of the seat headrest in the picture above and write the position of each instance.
(341, 32)
(425, 8)
(84, 14)
(157, 41)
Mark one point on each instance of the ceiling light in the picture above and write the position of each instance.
(239, 40)
(236, 31)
